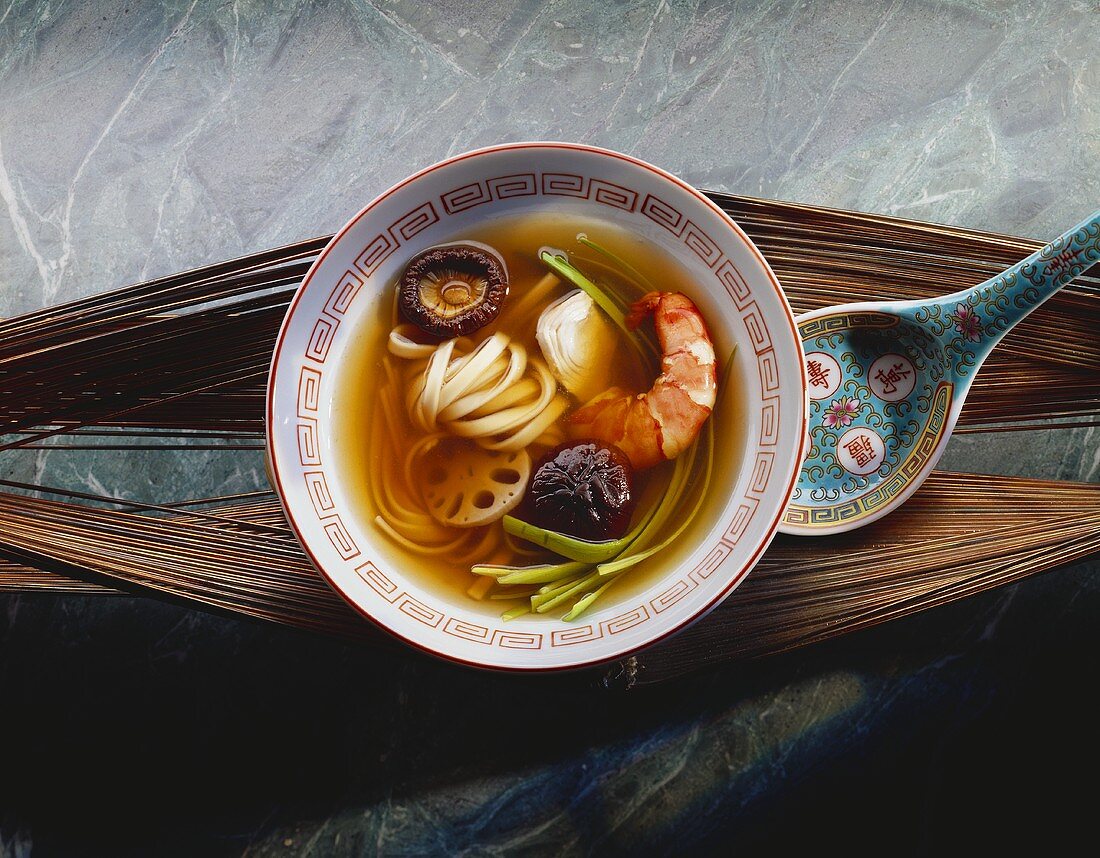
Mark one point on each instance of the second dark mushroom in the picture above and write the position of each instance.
(583, 489)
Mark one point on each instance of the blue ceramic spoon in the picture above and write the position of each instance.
(887, 381)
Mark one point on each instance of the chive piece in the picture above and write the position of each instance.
(515, 612)
(491, 570)
(668, 505)
(642, 284)
(583, 584)
(552, 591)
(567, 546)
(585, 603)
(537, 574)
(543, 574)
(625, 562)
(622, 263)
(479, 588)
(610, 557)
(581, 606)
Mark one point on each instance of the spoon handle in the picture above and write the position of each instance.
(982, 315)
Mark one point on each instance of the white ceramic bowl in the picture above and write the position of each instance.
(739, 296)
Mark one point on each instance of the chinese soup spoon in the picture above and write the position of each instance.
(887, 380)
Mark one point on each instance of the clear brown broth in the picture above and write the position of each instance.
(518, 239)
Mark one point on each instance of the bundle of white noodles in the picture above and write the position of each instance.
(399, 511)
(492, 393)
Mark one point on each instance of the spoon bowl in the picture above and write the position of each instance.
(887, 382)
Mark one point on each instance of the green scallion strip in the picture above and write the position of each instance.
(642, 284)
(581, 585)
(585, 603)
(626, 561)
(669, 503)
(537, 574)
(643, 332)
(620, 262)
(620, 299)
(567, 546)
(552, 591)
(562, 581)
(544, 574)
(565, 269)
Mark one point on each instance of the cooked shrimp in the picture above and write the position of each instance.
(661, 423)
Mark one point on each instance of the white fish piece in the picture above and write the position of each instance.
(579, 344)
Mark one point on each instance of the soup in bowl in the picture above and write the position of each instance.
(536, 407)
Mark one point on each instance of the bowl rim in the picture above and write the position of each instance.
(747, 566)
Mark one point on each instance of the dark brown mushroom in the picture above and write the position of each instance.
(584, 489)
(454, 289)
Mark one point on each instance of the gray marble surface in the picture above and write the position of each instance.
(142, 138)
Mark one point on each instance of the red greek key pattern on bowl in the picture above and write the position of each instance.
(420, 612)
(468, 631)
(460, 199)
(464, 198)
(769, 422)
(341, 540)
(491, 637)
(757, 328)
(614, 195)
(626, 621)
(694, 578)
(496, 188)
(564, 185)
(321, 339)
(519, 185)
(308, 452)
(658, 211)
(734, 283)
(712, 561)
(377, 581)
(376, 252)
(517, 640)
(745, 511)
(673, 594)
(579, 634)
(318, 491)
(415, 221)
(340, 301)
(761, 471)
(309, 391)
(701, 245)
(769, 371)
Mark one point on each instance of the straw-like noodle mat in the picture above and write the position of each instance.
(182, 362)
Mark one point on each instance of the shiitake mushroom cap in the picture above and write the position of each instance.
(582, 488)
(454, 289)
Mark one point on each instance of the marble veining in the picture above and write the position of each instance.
(142, 138)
